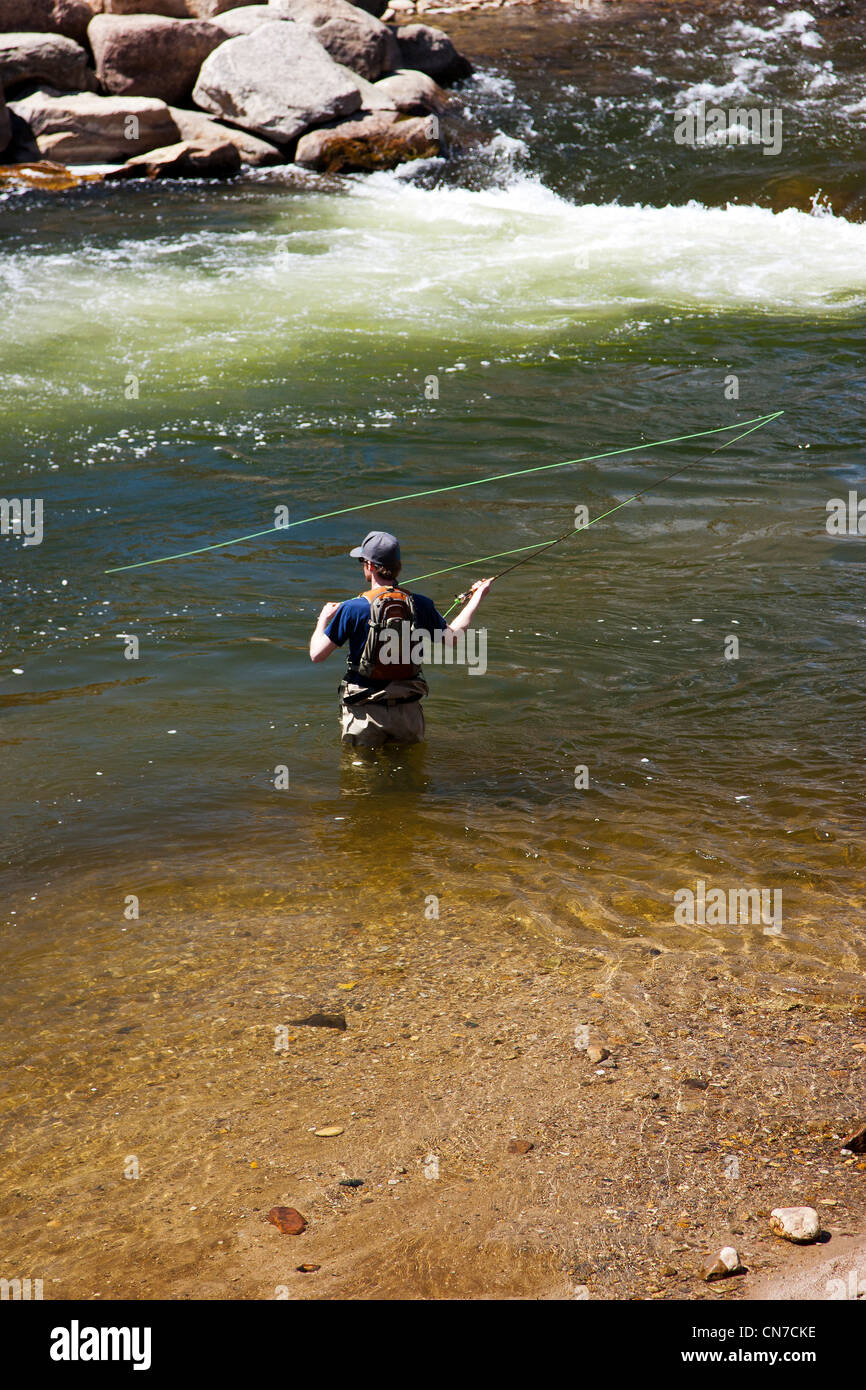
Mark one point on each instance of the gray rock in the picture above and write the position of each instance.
(371, 98)
(80, 128)
(217, 159)
(151, 56)
(412, 92)
(722, 1266)
(207, 9)
(199, 129)
(171, 9)
(50, 60)
(275, 82)
(69, 17)
(352, 37)
(430, 50)
(379, 140)
(244, 20)
(801, 1225)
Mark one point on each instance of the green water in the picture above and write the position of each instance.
(179, 361)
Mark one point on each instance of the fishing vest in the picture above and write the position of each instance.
(390, 609)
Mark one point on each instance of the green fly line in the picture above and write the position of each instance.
(575, 530)
(757, 421)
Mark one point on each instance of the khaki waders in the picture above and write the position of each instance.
(392, 714)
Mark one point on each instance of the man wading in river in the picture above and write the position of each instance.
(383, 688)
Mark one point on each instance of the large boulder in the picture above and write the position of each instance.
(168, 9)
(69, 17)
(44, 59)
(244, 20)
(216, 159)
(376, 141)
(412, 92)
(199, 129)
(206, 9)
(149, 55)
(352, 37)
(430, 50)
(80, 128)
(371, 98)
(275, 82)
(171, 9)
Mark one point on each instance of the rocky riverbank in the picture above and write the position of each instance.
(201, 88)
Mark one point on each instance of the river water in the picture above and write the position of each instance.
(178, 361)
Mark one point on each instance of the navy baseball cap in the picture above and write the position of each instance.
(379, 548)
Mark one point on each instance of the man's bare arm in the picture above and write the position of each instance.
(320, 645)
(464, 617)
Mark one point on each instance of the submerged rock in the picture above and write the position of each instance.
(80, 128)
(430, 50)
(352, 36)
(209, 159)
(856, 1143)
(379, 140)
(802, 1225)
(199, 129)
(151, 56)
(319, 1020)
(51, 60)
(275, 82)
(45, 175)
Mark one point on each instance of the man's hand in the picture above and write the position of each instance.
(473, 598)
(480, 587)
(327, 613)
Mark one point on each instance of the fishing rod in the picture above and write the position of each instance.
(757, 420)
(573, 530)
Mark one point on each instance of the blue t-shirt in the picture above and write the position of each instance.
(351, 622)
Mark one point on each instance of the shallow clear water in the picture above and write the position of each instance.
(178, 361)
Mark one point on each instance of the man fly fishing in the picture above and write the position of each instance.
(380, 697)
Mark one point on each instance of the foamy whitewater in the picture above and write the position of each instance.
(517, 265)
